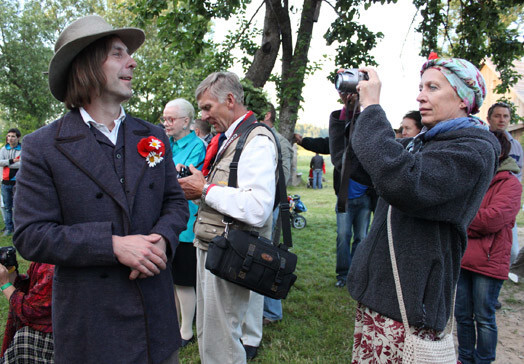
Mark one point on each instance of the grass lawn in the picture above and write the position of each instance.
(318, 317)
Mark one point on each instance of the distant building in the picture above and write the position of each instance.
(515, 95)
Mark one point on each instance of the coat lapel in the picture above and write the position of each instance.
(78, 144)
(135, 165)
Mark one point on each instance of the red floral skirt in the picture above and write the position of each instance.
(379, 339)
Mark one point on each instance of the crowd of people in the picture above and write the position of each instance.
(116, 267)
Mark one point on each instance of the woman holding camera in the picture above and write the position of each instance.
(28, 336)
(434, 184)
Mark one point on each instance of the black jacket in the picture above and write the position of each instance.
(435, 194)
(71, 198)
(335, 145)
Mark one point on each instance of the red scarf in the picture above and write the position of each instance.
(211, 153)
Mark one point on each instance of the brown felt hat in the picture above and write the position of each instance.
(75, 38)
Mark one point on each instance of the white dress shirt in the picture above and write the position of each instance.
(112, 135)
(252, 202)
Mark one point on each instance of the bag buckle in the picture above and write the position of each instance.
(278, 277)
(246, 264)
(226, 230)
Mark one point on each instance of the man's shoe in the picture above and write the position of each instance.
(187, 342)
(498, 305)
(268, 321)
(340, 283)
(513, 277)
(251, 351)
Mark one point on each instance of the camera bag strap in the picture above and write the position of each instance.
(281, 186)
(345, 174)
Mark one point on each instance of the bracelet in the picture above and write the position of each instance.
(6, 286)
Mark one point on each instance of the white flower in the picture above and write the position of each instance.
(154, 158)
(155, 143)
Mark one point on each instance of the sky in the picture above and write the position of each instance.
(396, 54)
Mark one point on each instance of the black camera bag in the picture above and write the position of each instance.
(247, 259)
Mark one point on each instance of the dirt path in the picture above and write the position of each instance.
(510, 320)
(510, 323)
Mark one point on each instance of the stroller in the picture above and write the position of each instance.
(295, 207)
(309, 183)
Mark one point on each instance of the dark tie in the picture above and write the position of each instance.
(221, 140)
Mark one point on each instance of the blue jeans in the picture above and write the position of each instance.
(273, 309)
(475, 306)
(352, 223)
(317, 178)
(7, 197)
(276, 214)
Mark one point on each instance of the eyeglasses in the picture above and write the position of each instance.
(170, 120)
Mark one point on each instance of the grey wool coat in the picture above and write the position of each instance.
(435, 195)
(74, 191)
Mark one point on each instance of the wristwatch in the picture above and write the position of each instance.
(204, 191)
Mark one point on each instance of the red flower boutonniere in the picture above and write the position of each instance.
(152, 149)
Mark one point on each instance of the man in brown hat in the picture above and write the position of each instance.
(99, 198)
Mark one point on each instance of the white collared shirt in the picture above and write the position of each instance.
(112, 135)
(252, 202)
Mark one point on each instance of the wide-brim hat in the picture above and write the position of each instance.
(75, 38)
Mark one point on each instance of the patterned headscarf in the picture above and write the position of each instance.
(464, 77)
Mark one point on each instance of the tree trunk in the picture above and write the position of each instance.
(277, 30)
(265, 57)
(294, 70)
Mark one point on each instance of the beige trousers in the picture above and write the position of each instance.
(221, 308)
(253, 321)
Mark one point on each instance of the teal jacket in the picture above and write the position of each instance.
(188, 150)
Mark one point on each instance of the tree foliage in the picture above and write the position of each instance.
(177, 54)
(28, 31)
(177, 19)
(163, 74)
(475, 30)
(180, 51)
(311, 131)
(255, 99)
(24, 98)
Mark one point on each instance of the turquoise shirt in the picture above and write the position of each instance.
(188, 150)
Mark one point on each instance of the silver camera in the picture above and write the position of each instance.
(346, 82)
